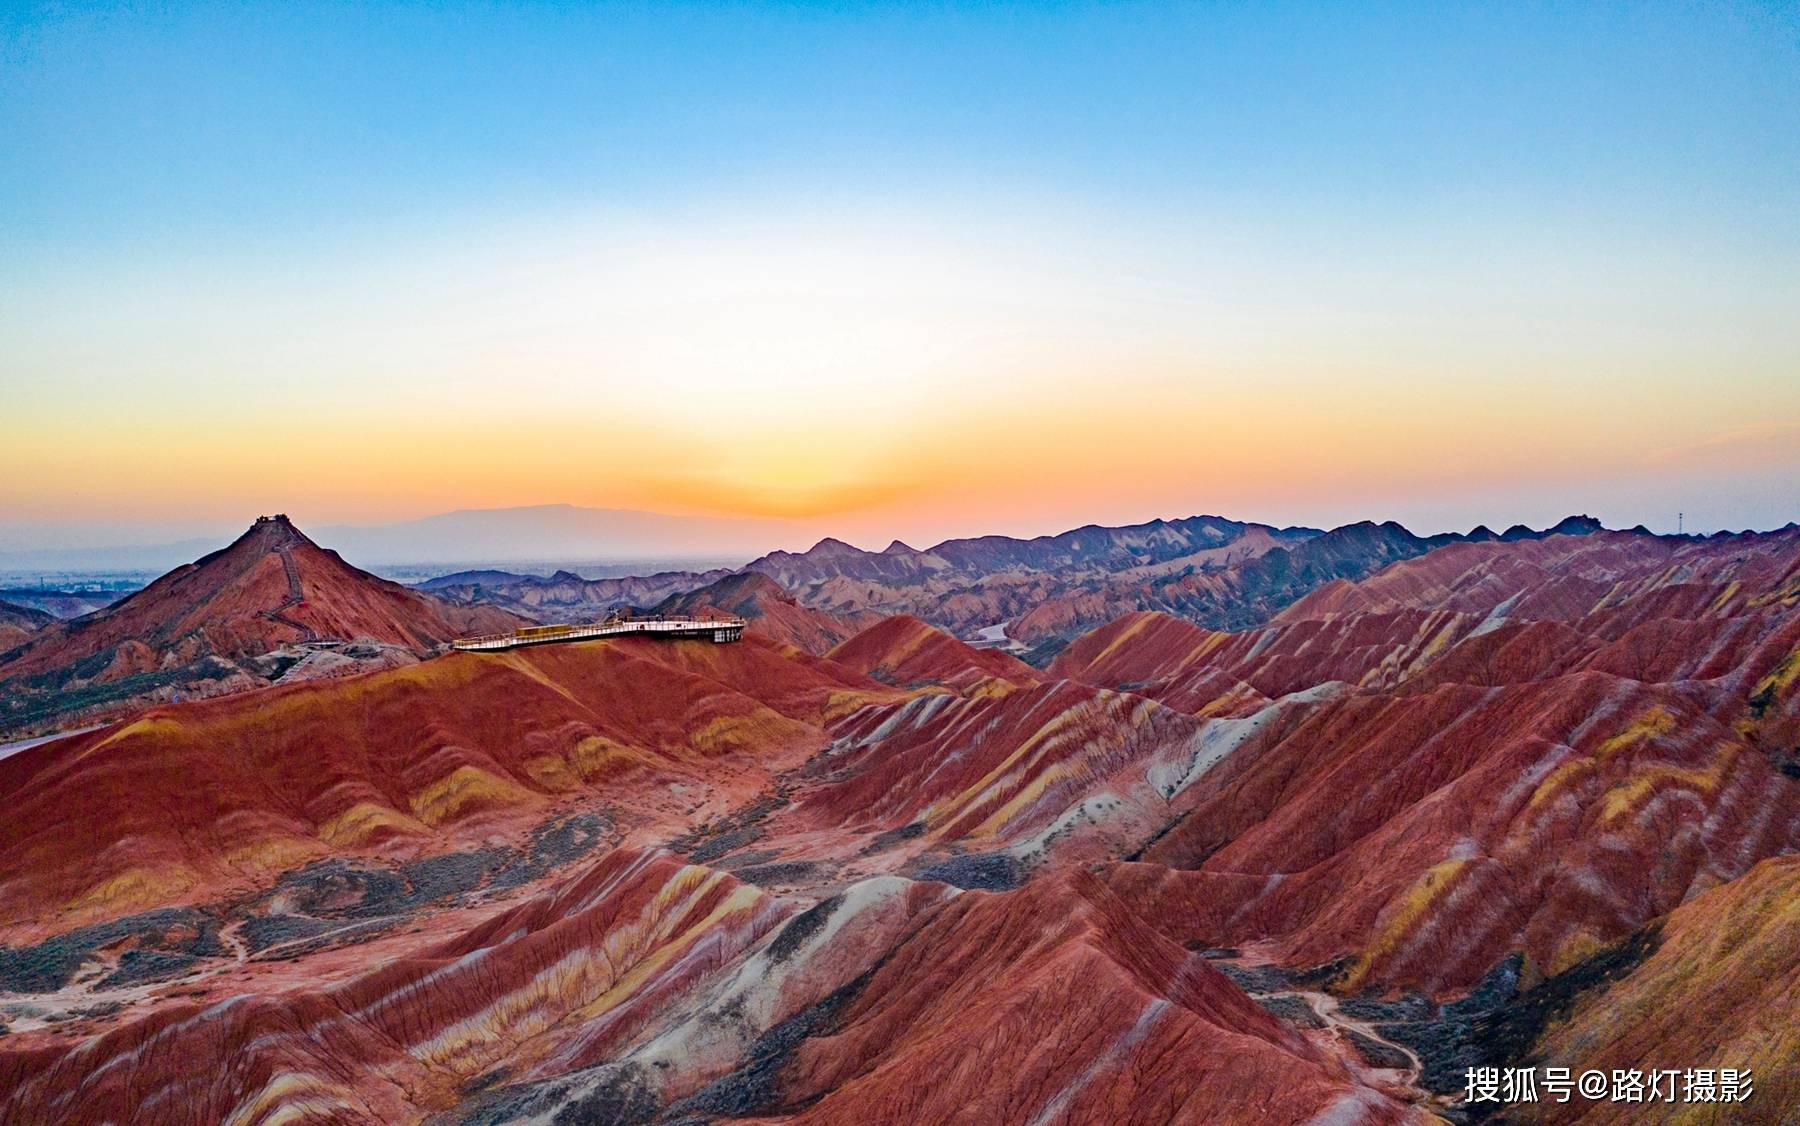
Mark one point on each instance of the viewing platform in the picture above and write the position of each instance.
(697, 629)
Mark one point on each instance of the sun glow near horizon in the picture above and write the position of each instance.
(957, 323)
(855, 370)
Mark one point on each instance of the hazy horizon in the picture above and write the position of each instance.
(475, 551)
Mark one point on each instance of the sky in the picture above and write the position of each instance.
(882, 270)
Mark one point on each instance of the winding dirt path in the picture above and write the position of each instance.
(235, 942)
(1326, 1007)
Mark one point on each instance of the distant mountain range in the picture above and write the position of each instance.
(1225, 574)
(1221, 573)
(564, 597)
(565, 593)
(615, 542)
(274, 605)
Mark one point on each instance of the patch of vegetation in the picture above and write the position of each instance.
(553, 845)
(338, 936)
(52, 963)
(715, 847)
(802, 927)
(713, 840)
(1292, 1009)
(1377, 1053)
(139, 966)
(38, 699)
(786, 872)
(1512, 1029)
(352, 889)
(339, 901)
(749, 859)
(883, 841)
(982, 871)
(447, 876)
(260, 932)
(1497, 1024)
(755, 1088)
(615, 1094)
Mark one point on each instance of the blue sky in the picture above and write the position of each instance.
(1599, 204)
(174, 120)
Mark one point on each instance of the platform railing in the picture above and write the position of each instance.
(721, 629)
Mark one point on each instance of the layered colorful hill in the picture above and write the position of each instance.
(564, 596)
(905, 651)
(1043, 591)
(19, 622)
(968, 584)
(1523, 799)
(241, 617)
(399, 761)
(1727, 962)
(770, 611)
(1216, 572)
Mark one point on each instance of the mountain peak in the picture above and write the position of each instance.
(219, 622)
(1582, 525)
(270, 533)
(830, 546)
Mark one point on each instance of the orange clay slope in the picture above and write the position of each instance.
(1308, 870)
(1502, 795)
(768, 610)
(1212, 673)
(1412, 811)
(1727, 963)
(611, 945)
(619, 987)
(643, 989)
(1095, 1018)
(19, 622)
(904, 651)
(184, 801)
(210, 627)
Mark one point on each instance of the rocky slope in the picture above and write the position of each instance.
(19, 622)
(1216, 572)
(1532, 799)
(1728, 962)
(272, 605)
(771, 612)
(964, 585)
(1045, 591)
(907, 652)
(564, 596)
